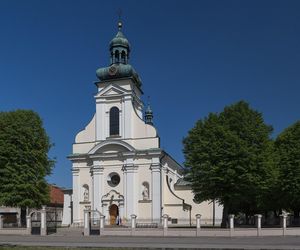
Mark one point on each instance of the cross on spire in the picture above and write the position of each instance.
(119, 19)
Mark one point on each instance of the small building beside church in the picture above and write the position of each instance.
(118, 166)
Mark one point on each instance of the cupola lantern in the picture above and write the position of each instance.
(119, 47)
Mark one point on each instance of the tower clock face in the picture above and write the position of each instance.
(112, 70)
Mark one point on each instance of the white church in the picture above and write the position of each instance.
(118, 165)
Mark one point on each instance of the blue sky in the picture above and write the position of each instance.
(194, 57)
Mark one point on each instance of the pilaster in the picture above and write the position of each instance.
(97, 172)
(156, 189)
(76, 195)
(101, 119)
(127, 116)
(131, 196)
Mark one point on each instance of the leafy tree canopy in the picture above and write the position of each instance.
(230, 158)
(288, 149)
(24, 162)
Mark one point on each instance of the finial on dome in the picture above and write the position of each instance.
(120, 22)
(120, 25)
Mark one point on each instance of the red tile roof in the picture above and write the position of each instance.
(56, 195)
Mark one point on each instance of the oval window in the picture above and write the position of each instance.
(113, 179)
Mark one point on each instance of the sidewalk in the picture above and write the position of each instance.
(271, 242)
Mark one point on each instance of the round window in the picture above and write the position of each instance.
(113, 179)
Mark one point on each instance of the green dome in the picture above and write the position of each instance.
(119, 40)
(116, 71)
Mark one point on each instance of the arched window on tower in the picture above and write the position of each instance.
(112, 57)
(123, 57)
(114, 121)
(117, 56)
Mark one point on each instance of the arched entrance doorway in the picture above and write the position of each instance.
(113, 214)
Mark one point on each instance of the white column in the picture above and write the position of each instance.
(121, 211)
(131, 195)
(43, 221)
(76, 195)
(1, 221)
(133, 220)
(258, 222)
(231, 224)
(122, 120)
(133, 223)
(156, 190)
(105, 212)
(198, 224)
(28, 224)
(102, 221)
(19, 219)
(165, 224)
(97, 186)
(100, 119)
(283, 218)
(66, 219)
(127, 116)
(86, 230)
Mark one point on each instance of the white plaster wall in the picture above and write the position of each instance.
(66, 218)
(144, 175)
(88, 134)
(144, 212)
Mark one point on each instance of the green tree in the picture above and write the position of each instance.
(288, 149)
(24, 162)
(230, 159)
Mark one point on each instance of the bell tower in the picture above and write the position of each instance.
(118, 101)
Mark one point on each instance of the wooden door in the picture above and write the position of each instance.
(113, 213)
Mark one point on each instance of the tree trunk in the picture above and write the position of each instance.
(224, 223)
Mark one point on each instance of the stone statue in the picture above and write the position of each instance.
(145, 192)
(86, 195)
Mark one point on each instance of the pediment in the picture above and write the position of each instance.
(112, 90)
(112, 196)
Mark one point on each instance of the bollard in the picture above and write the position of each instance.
(102, 219)
(283, 217)
(165, 224)
(198, 224)
(28, 224)
(86, 229)
(1, 221)
(133, 222)
(43, 221)
(258, 221)
(231, 224)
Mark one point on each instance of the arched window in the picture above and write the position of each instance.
(123, 55)
(117, 56)
(114, 121)
(112, 57)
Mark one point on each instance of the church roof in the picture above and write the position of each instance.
(118, 71)
(119, 40)
(182, 182)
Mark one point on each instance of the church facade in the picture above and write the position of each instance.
(118, 165)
